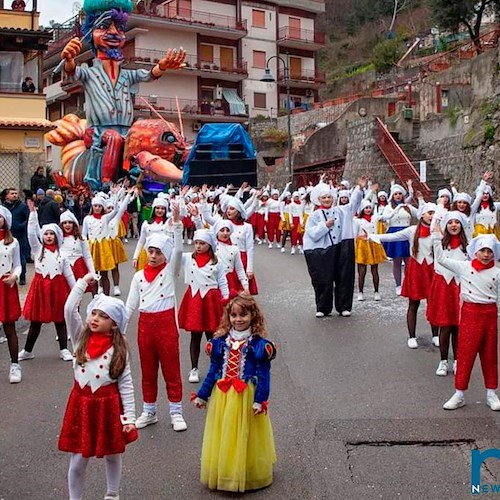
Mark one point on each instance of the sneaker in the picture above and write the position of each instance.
(145, 419)
(24, 355)
(278, 245)
(22, 281)
(194, 376)
(345, 314)
(178, 422)
(3, 339)
(15, 373)
(125, 240)
(301, 250)
(412, 343)
(319, 314)
(398, 290)
(258, 241)
(361, 297)
(190, 242)
(270, 245)
(283, 249)
(442, 369)
(493, 402)
(292, 251)
(111, 497)
(376, 296)
(65, 355)
(435, 341)
(455, 367)
(454, 402)
(116, 291)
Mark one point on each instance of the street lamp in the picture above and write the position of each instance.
(268, 77)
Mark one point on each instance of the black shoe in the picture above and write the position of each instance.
(29, 260)
(22, 281)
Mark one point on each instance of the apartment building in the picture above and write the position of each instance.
(22, 113)
(228, 43)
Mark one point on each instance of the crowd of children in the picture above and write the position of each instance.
(447, 250)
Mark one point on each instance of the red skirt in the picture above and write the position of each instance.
(187, 222)
(233, 283)
(443, 305)
(10, 307)
(91, 424)
(80, 269)
(200, 314)
(418, 279)
(46, 298)
(252, 284)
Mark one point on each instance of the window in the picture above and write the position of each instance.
(206, 53)
(258, 18)
(259, 59)
(259, 100)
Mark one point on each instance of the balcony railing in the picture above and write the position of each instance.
(299, 35)
(190, 107)
(305, 76)
(189, 16)
(193, 62)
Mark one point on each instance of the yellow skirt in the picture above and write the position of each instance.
(285, 225)
(142, 260)
(480, 229)
(102, 255)
(238, 447)
(302, 228)
(381, 229)
(119, 252)
(122, 230)
(369, 253)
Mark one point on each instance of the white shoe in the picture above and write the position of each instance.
(319, 314)
(194, 376)
(3, 339)
(24, 355)
(270, 245)
(125, 240)
(361, 297)
(455, 367)
(145, 419)
(345, 314)
(301, 250)
(283, 249)
(376, 296)
(190, 242)
(100, 290)
(15, 373)
(178, 422)
(493, 402)
(435, 341)
(116, 291)
(454, 402)
(65, 355)
(442, 369)
(398, 290)
(412, 343)
(292, 251)
(278, 245)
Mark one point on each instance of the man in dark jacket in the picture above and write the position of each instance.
(39, 181)
(20, 214)
(49, 210)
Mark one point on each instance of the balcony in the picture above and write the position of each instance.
(169, 107)
(305, 79)
(204, 23)
(220, 69)
(25, 20)
(296, 38)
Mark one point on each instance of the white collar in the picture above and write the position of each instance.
(240, 335)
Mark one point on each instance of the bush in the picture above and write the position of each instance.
(386, 54)
(276, 135)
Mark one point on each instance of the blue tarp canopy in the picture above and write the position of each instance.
(216, 139)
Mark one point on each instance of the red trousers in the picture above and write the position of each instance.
(296, 237)
(273, 231)
(158, 341)
(259, 226)
(477, 333)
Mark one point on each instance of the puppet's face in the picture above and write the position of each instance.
(109, 37)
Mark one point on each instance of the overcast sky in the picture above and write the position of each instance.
(58, 10)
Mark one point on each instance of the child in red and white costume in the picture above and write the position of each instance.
(100, 414)
(295, 211)
(260, 214)
(50, 286)
(419, 274)
(478, 330)
(152, 291)
(10, 307)
(201, 307)
(443, 305)
(272, 218)
(230, 257)
(74, 248)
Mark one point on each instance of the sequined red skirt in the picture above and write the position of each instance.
(200, 314)
(46, 298)
(91, 424)
(10, 307)
(443, 305)
(417, 280)
(252, 284)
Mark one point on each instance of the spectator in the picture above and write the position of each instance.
(20, 214)
(40, 195)
(49, 210)
(18, 5)
(39, 181)
(28, 85)
(81, 208)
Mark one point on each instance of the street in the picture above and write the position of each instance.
(356, 414)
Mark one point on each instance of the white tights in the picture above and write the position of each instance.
(76, 474)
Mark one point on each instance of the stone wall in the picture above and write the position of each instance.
(28, 163)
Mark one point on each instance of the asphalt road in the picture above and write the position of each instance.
(356, 414)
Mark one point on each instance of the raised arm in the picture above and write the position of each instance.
(74, 323)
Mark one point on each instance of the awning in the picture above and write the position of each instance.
(236, 105)
(39, 123)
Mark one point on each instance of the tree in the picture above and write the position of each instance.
(386, 54)
(451, 15)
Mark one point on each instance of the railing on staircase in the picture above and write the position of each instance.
(399, 162)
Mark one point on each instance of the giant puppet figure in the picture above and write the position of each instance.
(108, 92)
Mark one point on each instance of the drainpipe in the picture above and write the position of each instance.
(439, 106)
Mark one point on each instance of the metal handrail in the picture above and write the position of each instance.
(397, 159)
(305, 75)
(300, 35)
